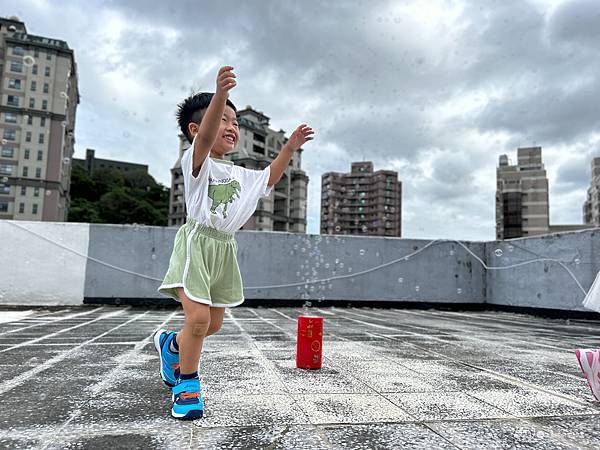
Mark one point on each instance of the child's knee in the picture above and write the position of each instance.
(214, 327)
(198, 319)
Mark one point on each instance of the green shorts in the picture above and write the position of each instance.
(204, 264)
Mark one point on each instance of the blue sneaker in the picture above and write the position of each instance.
(187, 400)
(169, 361)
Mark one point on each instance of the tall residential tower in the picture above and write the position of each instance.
(361, 202)
(38, 101)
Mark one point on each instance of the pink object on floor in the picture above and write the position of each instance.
(589, 362)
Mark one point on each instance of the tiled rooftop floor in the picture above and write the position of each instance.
(88, 378)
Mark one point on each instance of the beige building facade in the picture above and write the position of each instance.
(38, 102)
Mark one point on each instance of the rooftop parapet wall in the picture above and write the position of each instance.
(63, 263)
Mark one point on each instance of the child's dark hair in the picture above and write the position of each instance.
(190, 110)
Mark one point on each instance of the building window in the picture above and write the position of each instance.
(25, 171)
(34, 69)
(21, 208)
(46, 88)
(34, 208)
(41, 138)
(26, 155)
(33, 86)
(36, 53)
(8, 152)
(9, 135)
(32, 103)
(18, 51)
(48, 56)
(28, 136)
(3, 207)
(44, 104)
(14, 84)
(4, 188)
(38, 172)
(42, 121)
(29, 120)
(36, 192)
(16, 67)
(6, 169)
(12, 100)
(23, 190)
(40, 155)
(47, 71)
(10, 117)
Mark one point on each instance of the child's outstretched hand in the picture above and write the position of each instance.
(300, 136)
(225, 81)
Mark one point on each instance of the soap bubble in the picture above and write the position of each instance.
(577, 261)
(4, 179)
(303, 250)
(510, 248)
(295, 246)
(327, 265)
(64, 95)
(337, 260)
(337, 228)
(498, 252)
(66, 160)
(341, 265)
(28, 61)
(417, 288)
(364, 228)
(63, 124)
(459, 291)
(362, 251)
(451, 252)
(4, 142)
(154, 256)
(48, 192)
(400, 280)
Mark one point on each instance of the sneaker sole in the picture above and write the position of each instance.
(156, 339)
(190, 415)
(586, 369)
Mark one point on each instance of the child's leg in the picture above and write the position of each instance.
(216, 320)
(191, 337)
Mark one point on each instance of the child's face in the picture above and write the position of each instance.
(228, 134)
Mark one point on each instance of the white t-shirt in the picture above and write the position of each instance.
(223, 196)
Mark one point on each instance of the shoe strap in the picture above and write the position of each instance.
(187, 386)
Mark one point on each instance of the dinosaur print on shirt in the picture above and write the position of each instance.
(223, 192)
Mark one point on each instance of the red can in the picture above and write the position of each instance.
(310, 342)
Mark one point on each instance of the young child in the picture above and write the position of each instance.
(203, 271)
(589, 359)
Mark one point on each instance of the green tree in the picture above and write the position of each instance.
(110, 196)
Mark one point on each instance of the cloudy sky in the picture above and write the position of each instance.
(434, 89)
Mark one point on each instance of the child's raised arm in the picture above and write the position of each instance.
(299, 137)
(209, 126)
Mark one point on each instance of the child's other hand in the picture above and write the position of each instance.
(225, 81)
(300, 136)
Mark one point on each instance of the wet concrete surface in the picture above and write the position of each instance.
(88, 378)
